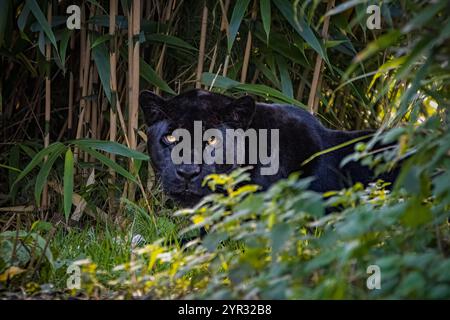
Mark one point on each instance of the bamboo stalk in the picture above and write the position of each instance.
(213, 59)
(248, 47)
(134, 103)
(201, 54)
(225, 65)
(314, 84)
(301, 86)
(159, 66)
(94, 106)
(319, 88)
(130, 71)
(83, 76)
(48, 52)
(88, 114)
(71, 91)
(313, 101)
(224, 19)
(133, 107)
(70, 109)
(225, 27)
(113, 84)
(82, 49)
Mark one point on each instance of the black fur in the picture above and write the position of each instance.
(301, 135)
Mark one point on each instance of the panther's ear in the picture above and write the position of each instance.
(151, 105)
(242, 110)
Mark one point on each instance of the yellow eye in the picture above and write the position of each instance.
(170, 138)
(212, 140)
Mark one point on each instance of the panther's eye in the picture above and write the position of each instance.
(169, 139)
(212, 140)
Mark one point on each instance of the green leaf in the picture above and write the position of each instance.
(26, 237)
(300, 26)
(37, 159)
(41, 18)
(12, 169)
(68, 182)
(111, 147)
(40, 225)
(337, 147)
(236, 19)
(63, 46)
(214, 80)
(268, 73)
(257, 89)
(416, 214)
(100, 40)
(379, 44)
(150, 75)
(266, 16)
(22, 20)
(41, 178)
(344, 7)
(101, 58)
(286, 83)
(280, 235)
(269, 93)
(169, 40)
(110, 163)
(428, 13)
(103, 21)
(41, 43)
(280, 44)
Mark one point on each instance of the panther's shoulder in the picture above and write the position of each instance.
(286, 115)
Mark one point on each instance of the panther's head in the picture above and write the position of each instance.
(183, 181)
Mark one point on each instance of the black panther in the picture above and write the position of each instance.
(301, 135)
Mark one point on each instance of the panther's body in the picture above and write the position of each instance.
(300, 136)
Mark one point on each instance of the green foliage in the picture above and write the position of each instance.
(20, 248)
(279, 244)
(47, 157)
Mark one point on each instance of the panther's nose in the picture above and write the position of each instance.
(188, 171)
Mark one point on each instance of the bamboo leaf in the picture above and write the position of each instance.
(261, 90)
(36, 160)
(111, 147)
(110, 163)
(286, 83)
(41, 43)
(418, 21)
(266, 16)
(337, 147)
(68, 182)
(236, 19)
(41, 178)
(268, 73)
(40, 17)
(100, 40)
(269, 93)
(150, 75)
(344, 7)
(101, 58)
(63, 46)
(214, 80)
(22, 20)
(300, 26)
(379, 44)
(169, 40)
